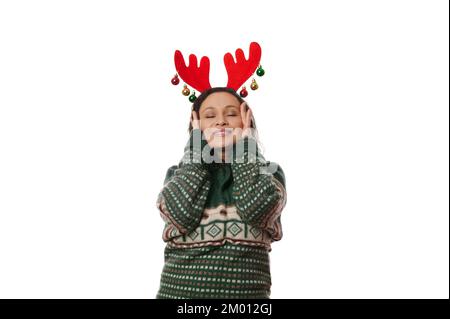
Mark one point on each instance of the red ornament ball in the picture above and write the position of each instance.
(175, 80)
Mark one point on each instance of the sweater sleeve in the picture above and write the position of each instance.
(181, 200)
(259, 188)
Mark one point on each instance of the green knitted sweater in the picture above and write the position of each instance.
(220, 220)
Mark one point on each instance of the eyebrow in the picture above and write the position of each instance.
(227, 106)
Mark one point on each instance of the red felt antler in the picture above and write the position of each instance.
(197, 77)
(242, 69)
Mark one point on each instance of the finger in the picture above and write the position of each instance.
(243, 111)
(196, 121)
(249, 117)
(194, 114)
(193, 121)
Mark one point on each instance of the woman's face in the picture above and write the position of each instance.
(219, 117)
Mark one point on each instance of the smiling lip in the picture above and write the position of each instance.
(222, 132)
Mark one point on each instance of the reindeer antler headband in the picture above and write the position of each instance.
(239, 71)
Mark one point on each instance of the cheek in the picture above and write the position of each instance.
(204, 123)
(236, 122)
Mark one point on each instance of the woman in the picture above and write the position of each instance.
(221, 212)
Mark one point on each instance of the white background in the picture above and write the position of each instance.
(353, 106)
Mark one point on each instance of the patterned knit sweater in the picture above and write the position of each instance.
(220, 220)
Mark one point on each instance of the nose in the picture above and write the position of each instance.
(221, 122)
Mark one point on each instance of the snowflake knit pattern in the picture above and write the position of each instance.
(220, 221)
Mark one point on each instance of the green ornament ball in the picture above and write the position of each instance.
(192, 98)
(260, 71)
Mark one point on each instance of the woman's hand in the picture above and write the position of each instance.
(195, 122)
(193, 148)
(246, 116)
